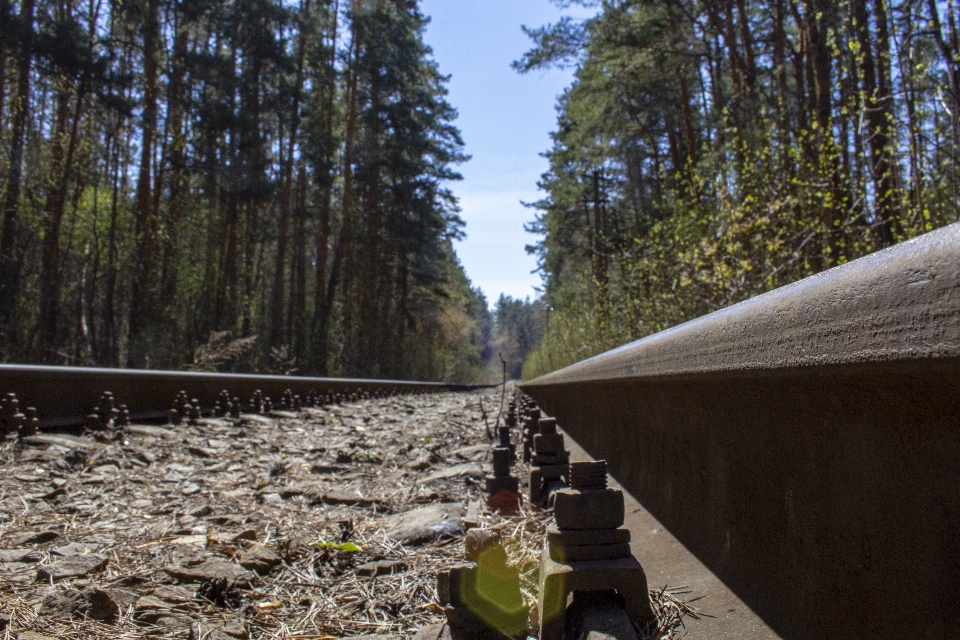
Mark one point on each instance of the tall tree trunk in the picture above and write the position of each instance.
(228, 294)
(599, 243)
(110, 311)
(889, 171)
(296, 313)
(62, 166)
(914, 133)
(750, 64)
(226, 307)
(372, 323)
(345, 242)
(782, 99)
(799, 71)
(3, 88)
(276, 329)
(876, 103)
(10, 261)
(141, 306)
(688, 132)
(823, 152)
(252, 157)
(820, 57)
(178, 168)
(951, 60)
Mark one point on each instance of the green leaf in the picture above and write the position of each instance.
(348, 547)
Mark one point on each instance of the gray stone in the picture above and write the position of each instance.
(62, 440)
(91, 603)
(425, 524)
(124, 598)
(430, 632)
(174, 594)
(31, 537)
(420, 463)
(465, 469)
(75, 567)
(246, 534)
(347, 497)
(19, 555)
(473, 452)
(151, 431)
(73, 549)
(231, 628)
(601, 619)
(260, 558)
(208, 570)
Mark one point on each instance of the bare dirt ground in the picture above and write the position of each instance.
(320, 523)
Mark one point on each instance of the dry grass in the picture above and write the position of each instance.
(144, 517)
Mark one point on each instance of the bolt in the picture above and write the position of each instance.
(504, 433)
(483, 544)
(123, 417)
(501, 461)
(30, 425)
(548, 425)
(588, 476)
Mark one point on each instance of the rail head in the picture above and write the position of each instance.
(897, 305)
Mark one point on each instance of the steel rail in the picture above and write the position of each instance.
(804, 444)
(65, 395)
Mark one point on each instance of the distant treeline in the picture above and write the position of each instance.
(515, 329)
(710, 150)
(179, 176)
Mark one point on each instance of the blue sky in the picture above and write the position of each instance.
(506, 119)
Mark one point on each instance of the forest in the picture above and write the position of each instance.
(247, 185)
(710, 150)
(264, 185)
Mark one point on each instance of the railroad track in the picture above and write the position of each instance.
(65, 396)
(801, 449)
(802, 446)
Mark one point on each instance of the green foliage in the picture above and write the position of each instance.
(519, 328)
(261, 176)
(705, 155)
(346, 547)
